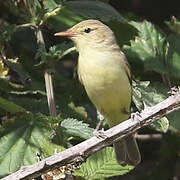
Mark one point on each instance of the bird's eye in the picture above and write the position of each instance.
(87, 30)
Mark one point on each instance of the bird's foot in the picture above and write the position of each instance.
(99, 134)
(136, 117)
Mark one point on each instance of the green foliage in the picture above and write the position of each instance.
(21, 139)
(10, 106)
(150, 47)
(77, 128)
(25, 127)
(144, 94)
(174, 25)
(98, 10)
(55, 53)
(102, 165)
(174, 55)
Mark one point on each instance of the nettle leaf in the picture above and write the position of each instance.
(150, 47)
(55, 53)
(102, 165)
(151, 95)
(77, 128)
(21, 139)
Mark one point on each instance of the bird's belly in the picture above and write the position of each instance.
(109, 90)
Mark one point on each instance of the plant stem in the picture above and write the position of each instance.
(48, 79)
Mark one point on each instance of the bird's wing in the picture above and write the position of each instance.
(79, 74)
(128, 70)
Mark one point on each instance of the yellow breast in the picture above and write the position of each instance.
(107, 85)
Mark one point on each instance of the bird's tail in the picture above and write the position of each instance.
(127, 151)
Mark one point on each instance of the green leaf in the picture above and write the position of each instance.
(63, 19)
(123, 31)
(29, 81)
(33, 105)
(77, 128)
(79, 11)
(161, 125)
(150, 47)
(10, 106)
(50, 4)
(95, 10)
(174, 121)
(55, 53)
(151, 95)
(174, 55)
(102, 165)
(49, 149)
(21, 140)
(174, 25)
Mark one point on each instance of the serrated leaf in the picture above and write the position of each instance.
(77, 128)
(54, 54)
(151, 96)
(102, 165)
(150, 47)
(21, 139)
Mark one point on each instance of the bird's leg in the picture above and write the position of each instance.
(136, 116)
(99, 133)
(101, 120)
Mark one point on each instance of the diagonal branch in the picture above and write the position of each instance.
(83, 150)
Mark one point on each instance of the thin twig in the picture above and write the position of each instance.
(85, 149)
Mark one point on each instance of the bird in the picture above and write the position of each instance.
(105, 73)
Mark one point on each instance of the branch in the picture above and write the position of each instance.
(83, 150)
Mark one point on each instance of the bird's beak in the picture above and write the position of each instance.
(67, 33)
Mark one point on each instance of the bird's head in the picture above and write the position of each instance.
(89, 33)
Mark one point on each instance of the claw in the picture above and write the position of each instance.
(99, 134)
(135, 117)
